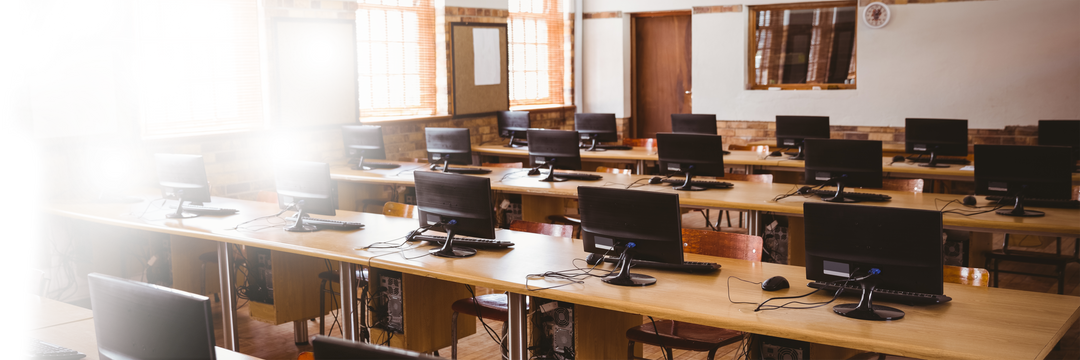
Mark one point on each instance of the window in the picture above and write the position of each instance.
(197, 66)
(536, 52)
(396, 57)
(802, 46)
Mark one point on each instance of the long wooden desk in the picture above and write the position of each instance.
(72, 327)
(980, 323)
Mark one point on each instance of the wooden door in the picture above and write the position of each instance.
(661, 70)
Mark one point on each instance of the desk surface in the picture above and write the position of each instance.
(1018, 324)
(744, 196)
(635, 154)
(80, 336)
(46, 312)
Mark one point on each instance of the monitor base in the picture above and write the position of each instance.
(839, 200)
(183, 215)
(627, 279)
(301, 228)
(875, 312)
(934, 165)
(514, 145)
(688, 188)
(553, 179)
(453, 252)
(1021, 213)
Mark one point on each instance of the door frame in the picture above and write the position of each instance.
(633, 60)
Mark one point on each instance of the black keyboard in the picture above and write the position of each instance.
(903, 297)
(577, 176)
(327, 224)
(463, 170)
(940, 160)
(709, 184)
(372, 165)
(609, 147)
(688, 266)
(1036, 202)
(42, 350)
(852, 195)
(207, 210)
(465, 241)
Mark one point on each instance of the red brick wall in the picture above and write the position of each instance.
(744, 132)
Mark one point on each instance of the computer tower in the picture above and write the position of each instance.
(783, 349)
(260, 275)
(553, 323)
(955, 249)
(387, 306)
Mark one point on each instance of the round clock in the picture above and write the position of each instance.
(876, 15)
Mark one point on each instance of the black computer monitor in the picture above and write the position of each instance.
(1020, 171)
(328, 348)
(307, 187)
(457, 205)
(852, 241)
(448, 146)
(512, 124)
(690, 154)
(135, 320)
(637, 224)
(693, 124)
(936, 137)
(843, 162)
(792, 130)
(596, 128)
(1061, 133)
(183, 177)
(364, 142)
(108, 170)
(556, 149)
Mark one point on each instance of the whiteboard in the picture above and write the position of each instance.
(314, 72)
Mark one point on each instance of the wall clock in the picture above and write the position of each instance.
(876, 15)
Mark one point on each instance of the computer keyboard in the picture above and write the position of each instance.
(207, 210)
(372, 165)
(709, 184)
(465, 241)
(577, 176)
(327, 224)
(1036, 202)
(463, 170)
(852, 195)
(688, 266)
(940, 160)
(903, 297)
(42, 350)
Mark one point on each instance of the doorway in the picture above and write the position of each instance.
(661, 47)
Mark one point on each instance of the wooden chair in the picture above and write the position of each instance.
(513, 165)
(495, 306)
(572, 221)
(1059, 261)
(605, 169)
(671, 334)
(911, 185)
(966, 275)
(641, 142)
(397, 209)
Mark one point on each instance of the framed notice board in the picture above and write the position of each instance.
(480, 68)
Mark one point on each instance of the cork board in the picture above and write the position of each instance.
(313, 78)
(470, 98)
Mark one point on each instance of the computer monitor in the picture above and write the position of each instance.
(448, 146)
(1061, 133)
(328, 348)
(852, 241)
(936, 137)
(107, 167)
(364, 142)
(636, 224)
(512, 124)
(183, 177)
(843, 162)
(457, 205)
(690, 154)
(596, 128)
(557, 149)
(791, 131)
(135, 320)
(1020, 171)
(307, 187)
(693, 124)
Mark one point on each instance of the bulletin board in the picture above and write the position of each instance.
(313, 78)
(480, 85)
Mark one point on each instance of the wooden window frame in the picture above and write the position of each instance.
(428, 106)
(751, 76)
(555, 53)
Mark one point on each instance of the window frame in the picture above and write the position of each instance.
(555, 58)
(751, 69)
(426, 53)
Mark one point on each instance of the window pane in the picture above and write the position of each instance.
(796, 44)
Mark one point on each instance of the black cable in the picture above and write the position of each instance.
(636, 183)
(573, 276)
(476, 307)
(659, 339)
(163, 201)
(963, 212)
(237, 227)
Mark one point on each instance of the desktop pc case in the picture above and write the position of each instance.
(553, 329)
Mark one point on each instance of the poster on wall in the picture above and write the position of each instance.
(69, 68)
(486, 56)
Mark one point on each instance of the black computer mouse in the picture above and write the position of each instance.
(594, 259)
(534, 171)
(898, 158)
(656, 180)
(805, 190)
(776, 153)
(970, 200)
(775, 283)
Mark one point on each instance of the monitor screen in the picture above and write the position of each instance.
(854, 163)
(364, 141)
(554, 147)
(1061, 133)
(448, 145)
(308, 182)
(792, 130)
(691, 155)
(612, 219)
(599, 127)
(946, 137)
(183, 176)
(135, 320)
(1040, 171)
(455, 204)
(693, 124)
(328, 348)
(512, 121)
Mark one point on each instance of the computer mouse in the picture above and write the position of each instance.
(534, 171)
(775, 283)
(656, 180)
(776, 153)
(969, 200)
(594, 259)
(804, 190)
(898, 158)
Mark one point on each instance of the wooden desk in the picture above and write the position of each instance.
(1018, 324)
(80, 336)
(637, 156)
(46, 312)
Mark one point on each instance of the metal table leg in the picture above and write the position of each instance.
(518, 330)
(640, 167)
(347, 280)
(228, 298)
(753, 219)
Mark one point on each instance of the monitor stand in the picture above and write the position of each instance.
(865, 309)
(551, 173)
(624, 277)
(513, 135)
(593, 147)
(1018, 208)
(839, 197)
(180, 214)
(299, 226)
(933, 162)
(686, 185)
(801, 155)
(448, 249)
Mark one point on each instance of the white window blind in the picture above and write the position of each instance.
(536, 53)
(396, 57)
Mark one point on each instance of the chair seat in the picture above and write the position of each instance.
(682, 335)
(490, 306)
(333, 276)
(1031, 257)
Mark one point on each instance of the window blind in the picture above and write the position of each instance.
(396, 57)
(536, 52)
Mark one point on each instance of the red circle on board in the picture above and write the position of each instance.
(320, 52)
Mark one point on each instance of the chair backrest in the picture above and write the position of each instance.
(966, 275)
(400, 210)
(642, 142)
(542, 228)
(605, 169)
(514, 165)
(722, 244)
(757, 178)
(912, 185)
(1075, 192)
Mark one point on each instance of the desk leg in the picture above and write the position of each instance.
(228, 300)
(347, 280)
(518, 327)
(753, 222)
(639, 167)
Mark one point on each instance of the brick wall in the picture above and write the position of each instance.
(745, 132)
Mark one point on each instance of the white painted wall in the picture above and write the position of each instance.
(996, 63)
(606, 66)
(481, 4)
